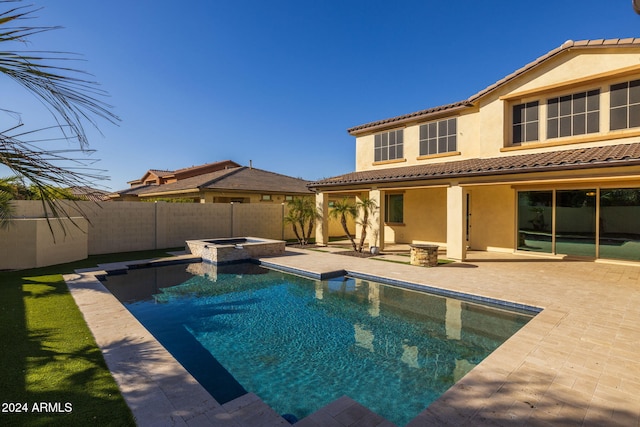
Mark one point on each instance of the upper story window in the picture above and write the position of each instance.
(575, 114)
(625, 105)
(388, 146)
(438, 137)
(525, 122)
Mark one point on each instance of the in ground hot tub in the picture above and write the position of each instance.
(234, 249)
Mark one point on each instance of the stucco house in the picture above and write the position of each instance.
(544, 161)
(219, 182)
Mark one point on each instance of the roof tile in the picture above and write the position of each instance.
(606, 156)
(244, 179)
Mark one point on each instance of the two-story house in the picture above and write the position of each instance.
(546, 160)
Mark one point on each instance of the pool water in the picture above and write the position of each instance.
(300, 343)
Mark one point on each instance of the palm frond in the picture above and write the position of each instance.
(68, 93)
(71, 96)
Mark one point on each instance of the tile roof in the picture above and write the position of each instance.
(135, 190)
(566, 46)
(88, 193)
(191, 183)
(240, 179)
(252, 179)
(215, 165)
(160, 172)
(410, 116)
(594, 157)
(186, 172)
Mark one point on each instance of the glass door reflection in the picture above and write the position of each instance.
(576, 222)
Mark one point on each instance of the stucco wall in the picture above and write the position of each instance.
(28, 243)
(425, 218)
(492, 218)
(484, 130)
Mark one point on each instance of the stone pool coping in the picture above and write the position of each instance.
(575, 363)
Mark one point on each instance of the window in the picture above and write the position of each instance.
(393, 208)
(265, 197)
(525, 122)
(575, 114)
(625, 105)
(288, 198)
(388, 146)
(438, 137)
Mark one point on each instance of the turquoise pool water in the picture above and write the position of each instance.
(300, 343)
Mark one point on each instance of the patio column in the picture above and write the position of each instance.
(322, 223)
(456, 216)
(376, 232)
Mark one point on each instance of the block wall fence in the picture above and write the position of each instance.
(112, 227)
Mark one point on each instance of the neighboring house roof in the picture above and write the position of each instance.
(565, 47)
(91, 194)
(239, 179)
(206, 168)
(156, 172)
(186, 172)
(160, 173)
(133, 191)
(594, 157)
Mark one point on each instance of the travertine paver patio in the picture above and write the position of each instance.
(575, 363)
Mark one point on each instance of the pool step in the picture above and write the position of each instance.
(344, 412)
(247, 411)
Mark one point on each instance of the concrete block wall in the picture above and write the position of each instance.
(177, 222)
(260, 220)
(133, 226)
(130, 227)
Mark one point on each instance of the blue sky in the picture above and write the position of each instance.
(279, 82)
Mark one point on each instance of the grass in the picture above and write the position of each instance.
(48, 355)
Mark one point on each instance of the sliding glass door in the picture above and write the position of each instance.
(535, 214)
(581, 223)
(575, 230)
(620, 223)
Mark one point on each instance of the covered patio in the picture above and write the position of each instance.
(579, 202)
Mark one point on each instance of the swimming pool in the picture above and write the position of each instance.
(300, 343)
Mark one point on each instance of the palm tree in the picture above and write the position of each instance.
(302, 213)
(368, 206)
(342, 210)
(7, 190)
(292, 218)
(71, 98)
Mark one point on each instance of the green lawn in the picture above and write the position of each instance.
(50, 366)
